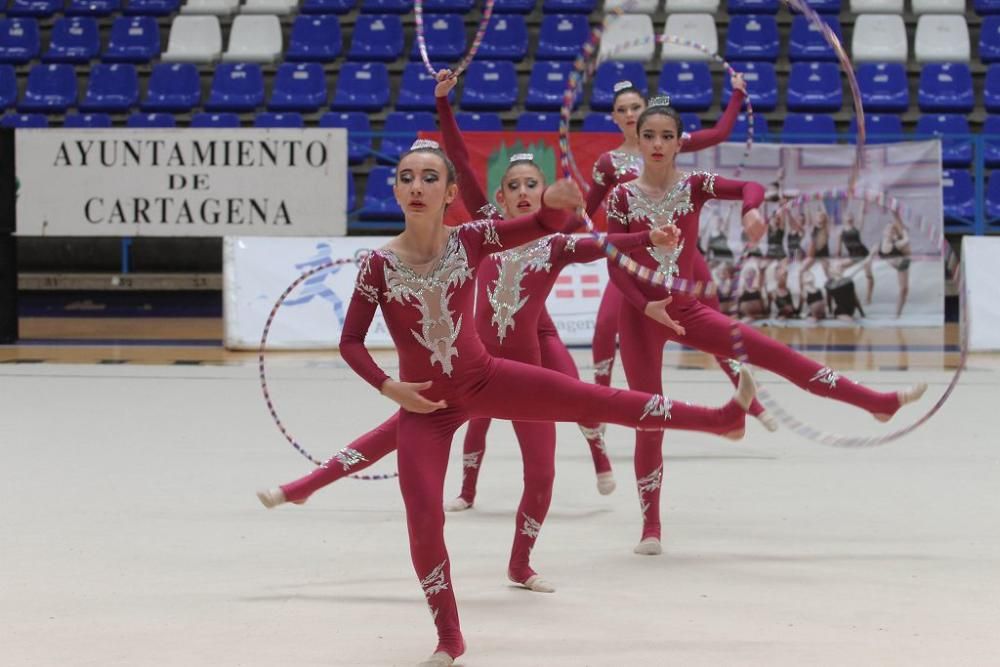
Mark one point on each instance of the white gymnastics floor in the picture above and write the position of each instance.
(131, 534)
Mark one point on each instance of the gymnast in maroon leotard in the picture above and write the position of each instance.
(663, 196)
(423, 281)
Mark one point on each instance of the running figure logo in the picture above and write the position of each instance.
(315, 286)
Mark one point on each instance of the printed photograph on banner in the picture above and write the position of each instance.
(832, 260)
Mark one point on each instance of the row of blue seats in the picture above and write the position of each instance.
(488, 86)
(379, 207)
(47, 8)
(381, 38)
(953, 129)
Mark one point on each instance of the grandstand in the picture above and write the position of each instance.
(355, 64)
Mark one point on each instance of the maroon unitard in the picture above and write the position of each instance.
(430, 320)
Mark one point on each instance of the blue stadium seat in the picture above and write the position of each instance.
(298, 87)
(752, 37)
(93, 7)
(946, 87)
(359, 140)
(112, 88)
(8, 87)
(561, 36)
(815, 87)
(36, 8)
(824, 6)
(991, 88)
(19, 40)
(568, 6)
(547, 85)
(599, 122)
(753, 6)
(992, 143)
(806, 42)
(380, 202)
(87, 120)
(989, 40)
(513, 6)
(24, 120)
(761, 132)
(376, 38)
(444, 35)
(236, 87)
(151, 120)
(689, 85)
(691, 121)
(386, 6)
(954, 152)
(808, 128)
(51, 89)
(884, 87)
(314, 38)
(227, 119)
(762, 85)
(879, 128)
(362, 87)
(327, 6)
(152, 8)
(537, 122)
(416, 89)
(173, 87)
(274, 119)
(134, 39)
(987, 6)
(506, 39)
(73, 40)
(448, 6)
(993, 196)
(479, 122)
(351, 197)
(959, 196)
(490, 86)
(608, 74)
(400, 132)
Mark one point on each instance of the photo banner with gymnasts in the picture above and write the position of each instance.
(831, 261)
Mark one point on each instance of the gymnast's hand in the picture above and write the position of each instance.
(753, 225)
(407, 394)
(738, 83)
(445, 83)
(657, 310)
(666, 238)
(564, 193)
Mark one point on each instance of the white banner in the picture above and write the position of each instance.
(181, 182)
(256, 271)
(982, 273)
(832, 262)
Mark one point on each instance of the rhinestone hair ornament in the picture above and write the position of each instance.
(622, 85)
(425, 143)
(522, 157)
(660, 101)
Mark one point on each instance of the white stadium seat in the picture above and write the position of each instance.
(269, 7)
(254, 39)
(876, 6)
(692, 6)
(632, 6)
(216, 7)
(942, 38)
(633, 29)
(196, 39)
(698, 28)
(879, 38)
(938, 6)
